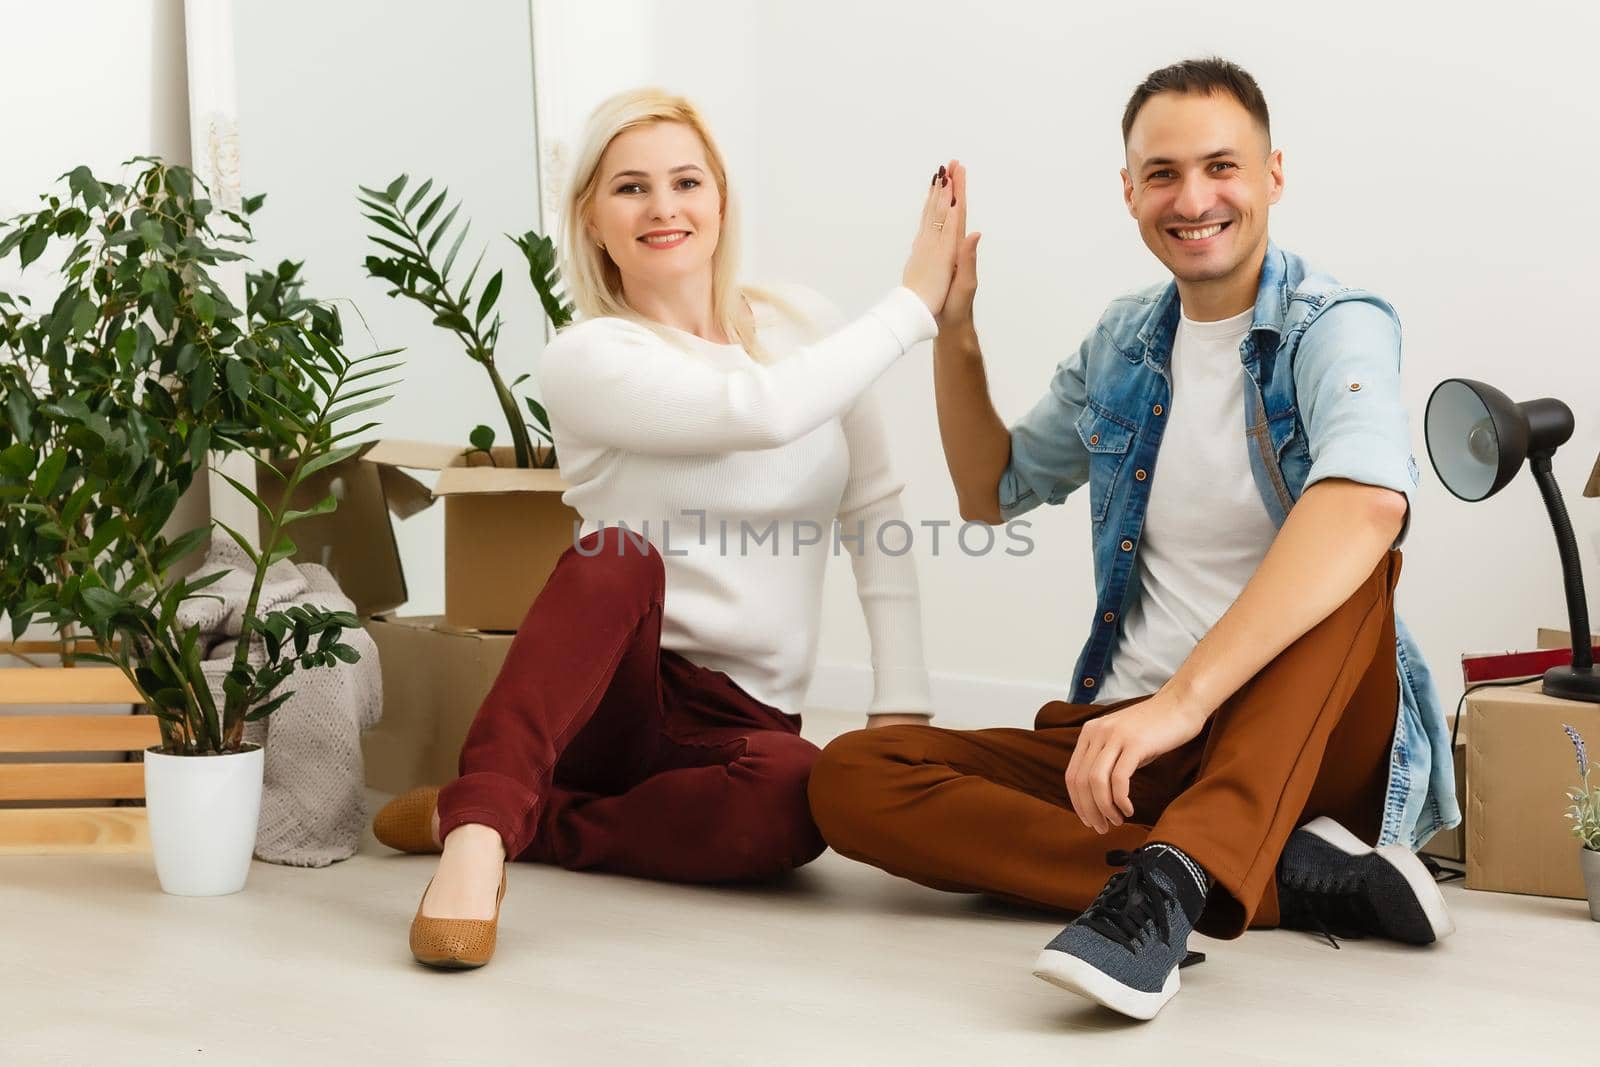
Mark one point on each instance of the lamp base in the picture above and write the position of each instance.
(1571, 683)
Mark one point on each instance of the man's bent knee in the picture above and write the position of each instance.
(850, 775)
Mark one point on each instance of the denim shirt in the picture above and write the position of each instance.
(1321, 400)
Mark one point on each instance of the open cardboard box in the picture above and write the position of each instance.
(504, 528)
(356, 542)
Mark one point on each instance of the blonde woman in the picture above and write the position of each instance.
(645, 721)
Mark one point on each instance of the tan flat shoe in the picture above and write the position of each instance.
(455, 944)
(406, 822)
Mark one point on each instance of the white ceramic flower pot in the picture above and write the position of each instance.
(203, 812)
(1590, 858)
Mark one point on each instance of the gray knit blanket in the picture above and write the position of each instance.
(313, 804)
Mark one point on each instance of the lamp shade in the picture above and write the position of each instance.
(1477, 437)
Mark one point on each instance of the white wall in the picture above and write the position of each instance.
(1443, 162)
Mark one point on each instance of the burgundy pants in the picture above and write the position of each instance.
(596, 749)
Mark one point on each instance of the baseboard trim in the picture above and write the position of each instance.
(964, 701)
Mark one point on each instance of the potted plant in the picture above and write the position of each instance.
(505, 524)
(410, 233)
(112, 398)
(1585, 816)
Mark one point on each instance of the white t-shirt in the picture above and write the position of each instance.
(1206, 530)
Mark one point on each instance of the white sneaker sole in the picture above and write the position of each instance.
(1071, 973)
(1401, 859)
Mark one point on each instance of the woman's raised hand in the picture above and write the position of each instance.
(957, 312)
(932, 262)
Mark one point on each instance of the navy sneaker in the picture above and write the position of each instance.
(1124, 951)
(1331, 881)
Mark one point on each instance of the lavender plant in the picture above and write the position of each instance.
(1585, 809)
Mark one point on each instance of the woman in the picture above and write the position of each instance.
(644, 720)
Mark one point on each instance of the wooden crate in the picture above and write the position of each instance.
(84, 820)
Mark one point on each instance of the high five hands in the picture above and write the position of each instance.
(957, 310)
(941, 248)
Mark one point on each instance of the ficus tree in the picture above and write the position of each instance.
(115, 393)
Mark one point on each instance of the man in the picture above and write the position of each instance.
(1248, 717)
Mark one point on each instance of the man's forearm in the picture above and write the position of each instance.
(1333, 538)
(977, 445)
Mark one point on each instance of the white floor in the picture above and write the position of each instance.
(839, 965)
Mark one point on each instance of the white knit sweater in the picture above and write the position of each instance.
(703, 449)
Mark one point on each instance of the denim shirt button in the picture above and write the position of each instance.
(1088, 683)
(1094, 439)
(1156, 410)
(1127, 546)
(1110, 616)
(1141, 474)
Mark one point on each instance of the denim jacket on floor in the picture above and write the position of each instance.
(1322, 400)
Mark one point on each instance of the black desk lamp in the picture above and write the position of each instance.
(1477, 440)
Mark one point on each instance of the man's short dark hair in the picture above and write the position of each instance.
(1208, 76)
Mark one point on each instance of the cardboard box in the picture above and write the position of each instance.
(1520, 765)
(434, 679)
(356, 542)
(1452, 844)
(1552, 638)
(504, 528)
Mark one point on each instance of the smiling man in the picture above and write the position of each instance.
(1253, 737)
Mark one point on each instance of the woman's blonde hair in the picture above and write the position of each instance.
(593, 280)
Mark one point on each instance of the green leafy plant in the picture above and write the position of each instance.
(111, 401)
(411, 232)
(1585, 809)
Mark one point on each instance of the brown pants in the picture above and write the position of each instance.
(987, 811)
